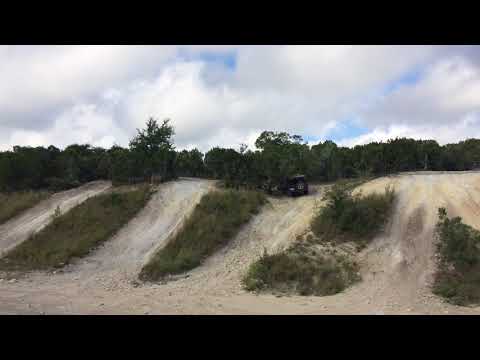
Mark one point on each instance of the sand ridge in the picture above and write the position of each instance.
(396, 267)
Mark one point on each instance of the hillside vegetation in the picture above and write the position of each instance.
(458, 276)
(347, 217)
(77, 232)
(302, 269)
(315, 265)
(12, 204)
(213, 223)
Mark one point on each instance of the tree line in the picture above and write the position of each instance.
(150, 152)
(277, 155)
(280, 154)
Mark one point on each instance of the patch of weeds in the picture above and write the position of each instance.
(213, 223)
(301, 270)
(352, 217)
(76, 232)
(458, 275)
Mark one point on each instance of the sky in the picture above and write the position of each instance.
(227, 95)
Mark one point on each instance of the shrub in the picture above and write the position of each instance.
(300, 271)
(355, 217)
(214, 221)
(458, 276)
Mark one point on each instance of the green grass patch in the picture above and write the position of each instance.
(77, 232)
(14, 203)
(214, 221)
(301, 270)
(352, 217)
(458, 275)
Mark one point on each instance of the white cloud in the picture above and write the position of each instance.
(444, 105)
(467, 128)
(41, 79)
(83, 124)
(99, 95)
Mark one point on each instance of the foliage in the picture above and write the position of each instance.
(301, 271)
(282, 155)
(77, 232)
(354, 217)
(277, 155)
(190, 163)
(214, 222)
(458, 276)
(152, 149)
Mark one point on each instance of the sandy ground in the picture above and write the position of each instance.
(18, 229)
(396, 267)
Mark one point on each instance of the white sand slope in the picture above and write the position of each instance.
(396, 267)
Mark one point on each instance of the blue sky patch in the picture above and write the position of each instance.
(227, 58)
(410, 78)
(346, 129)
(351, 128)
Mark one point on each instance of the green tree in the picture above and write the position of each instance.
(190, 163)
(152, 148)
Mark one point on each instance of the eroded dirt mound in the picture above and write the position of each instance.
(396, 267)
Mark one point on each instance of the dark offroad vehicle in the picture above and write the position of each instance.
(292, 186)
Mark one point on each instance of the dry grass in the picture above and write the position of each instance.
(215, 220)
(77, 232)
(14, 203)
(352, 217)
(302, 269)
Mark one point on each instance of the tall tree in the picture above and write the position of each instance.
(152, 148)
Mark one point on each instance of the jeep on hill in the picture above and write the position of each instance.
(295, 186)
(292, 186)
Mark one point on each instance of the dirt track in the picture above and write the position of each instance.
(16, 230)
(396, 267)
(120, 259)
